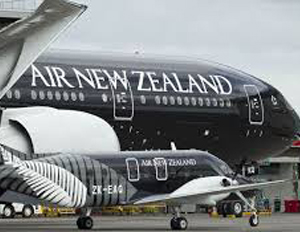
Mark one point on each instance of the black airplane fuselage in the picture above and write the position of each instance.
(112, 178)
(153, 102)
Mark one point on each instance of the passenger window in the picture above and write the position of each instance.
(81, 96)
(165, 100)
(49, 95)
(222, 102)
(143, 99)
(200, 101)
(214, 102)
(157, 100)
(207, 101)
(179, 101)
(42, 95)
(194, 101)
(33, 95)
(186, 101)
(9, 94)
(133, 171)
(73, 96)
(17, 94)
(57, 96)
(172, 100)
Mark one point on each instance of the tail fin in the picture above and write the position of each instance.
(49, 182)
(23, 41)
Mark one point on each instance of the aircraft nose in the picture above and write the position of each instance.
(294, 117)
(284, 117)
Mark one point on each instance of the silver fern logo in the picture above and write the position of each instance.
(49, 182)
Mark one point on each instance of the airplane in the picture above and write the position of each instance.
(121, 178)
(150, 102)
(104, 104)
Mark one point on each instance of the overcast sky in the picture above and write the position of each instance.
(261, 37)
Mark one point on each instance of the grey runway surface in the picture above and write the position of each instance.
(197, 222)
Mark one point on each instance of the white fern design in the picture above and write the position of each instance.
(49, 182)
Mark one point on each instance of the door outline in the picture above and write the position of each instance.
(249, 105)
(128, 160)
(116, 117)
(165, 168)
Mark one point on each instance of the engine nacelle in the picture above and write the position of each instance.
(49, 130)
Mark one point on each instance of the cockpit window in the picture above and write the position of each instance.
(208, 170)
(287, 104)
(219, 166)
(279, 103)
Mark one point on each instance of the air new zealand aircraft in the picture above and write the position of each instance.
(152, 102)
(75, 127)
(122, 178)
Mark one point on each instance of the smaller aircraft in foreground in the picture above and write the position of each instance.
(135, 178)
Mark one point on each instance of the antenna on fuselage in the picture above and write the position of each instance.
(173, 146)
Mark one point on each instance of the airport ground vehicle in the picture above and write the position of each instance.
(10, 210)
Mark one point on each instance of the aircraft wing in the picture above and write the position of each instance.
(23, 41)
(177, 195)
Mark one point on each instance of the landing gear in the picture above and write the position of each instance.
(85, 222)
(237, 208)
(178, 222)
(254, 220)
(222, 209)
(231, 207)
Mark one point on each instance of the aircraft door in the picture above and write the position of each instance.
(123, 103)
(133, 169)
(255, 105)
(161, 169)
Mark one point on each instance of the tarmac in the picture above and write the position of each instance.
(197, 222)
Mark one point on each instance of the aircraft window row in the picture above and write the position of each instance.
(171, 100)
(13, 94)
(58, 96)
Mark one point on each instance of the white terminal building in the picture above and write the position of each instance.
(285, 166)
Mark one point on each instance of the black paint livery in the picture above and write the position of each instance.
(151, 102)
(122, 178)
(109, 179)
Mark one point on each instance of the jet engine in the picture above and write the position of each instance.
(49, 130)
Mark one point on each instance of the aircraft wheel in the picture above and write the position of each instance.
(9, 211)
(85, 223)
(27, 211)
(179, 223)
(174, 223)
(224, 210)
(237, 208)
(254, 220)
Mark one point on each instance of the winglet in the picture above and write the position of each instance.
(23, 41)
